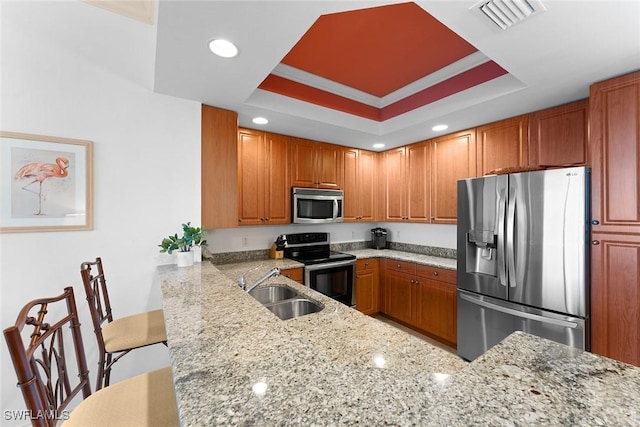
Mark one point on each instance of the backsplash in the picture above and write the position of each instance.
(260, 254)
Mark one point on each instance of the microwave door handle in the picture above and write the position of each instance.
(335, 209)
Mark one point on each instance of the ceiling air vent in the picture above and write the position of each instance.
(507, 13)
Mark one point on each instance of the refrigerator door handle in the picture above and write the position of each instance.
(511, 219)
(502, 263)
(517, 313)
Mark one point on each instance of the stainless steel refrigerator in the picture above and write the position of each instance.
(523, 258)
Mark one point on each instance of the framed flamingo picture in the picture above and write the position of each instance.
(45, 183)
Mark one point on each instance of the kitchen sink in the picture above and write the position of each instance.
(293, 308)
(273, 293)
(284, 301)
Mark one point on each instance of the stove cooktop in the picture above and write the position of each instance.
(312, 248)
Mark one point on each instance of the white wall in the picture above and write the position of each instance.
(73, 70)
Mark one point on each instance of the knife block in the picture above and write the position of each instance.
(274, 253)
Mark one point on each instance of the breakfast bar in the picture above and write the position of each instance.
(234, 362)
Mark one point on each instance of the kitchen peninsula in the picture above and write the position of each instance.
(234, 362)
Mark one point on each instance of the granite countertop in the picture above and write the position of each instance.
(434, 261)
(234, 362)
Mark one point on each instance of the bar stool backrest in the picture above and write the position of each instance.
(95, 286)
(44, 361)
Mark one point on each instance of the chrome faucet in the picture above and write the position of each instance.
(243, 282)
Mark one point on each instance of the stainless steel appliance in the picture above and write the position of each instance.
(329, 272)
(316, 206)
(378, 238)
(523, 258)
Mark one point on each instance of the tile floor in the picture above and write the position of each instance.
(416, 334)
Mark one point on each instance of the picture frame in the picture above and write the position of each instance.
(46, 183)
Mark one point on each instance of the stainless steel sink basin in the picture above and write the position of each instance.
(273, 293)
(296, 307)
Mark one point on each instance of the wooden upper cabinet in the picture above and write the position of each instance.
(251, 173)
(407, 183)
(558, 136)
(615, 154)
(453, 157)
(358, 183)
(278, 191)
(394, 185)
(219, 158)
(314, 164)
(418, 176)
(263, 188)
(502, 144)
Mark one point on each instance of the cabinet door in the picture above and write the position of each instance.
(303, 163)
(453, 157)
(558, 136)
(366, 185)
(350, 181)
(394, 184)
(615, 296)
(399, 288)
(295, 274)
(251, 175)
(615, 154)
(367, 286)
(418, 183)
(437, 312)
(277, 199)
(219, 147)
(328, 166)
(502, 144)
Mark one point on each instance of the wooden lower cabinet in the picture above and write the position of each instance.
(295, 274)
(421, 297)
(615, 296)
(437, 303)
(367, 286)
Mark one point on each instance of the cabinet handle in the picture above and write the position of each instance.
(267, 219)
(417, 282)
(366, 264)
(595, 242)
(435, 273)
(595, 222)
(357, 276)
(413, 281)
(399, 266)
(288, 276)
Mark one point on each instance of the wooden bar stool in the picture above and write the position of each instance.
(116, 337)
(49, 379)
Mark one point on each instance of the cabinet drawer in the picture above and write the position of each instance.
(367, 264)
(403, 266)
(293, 274)
(441, 274)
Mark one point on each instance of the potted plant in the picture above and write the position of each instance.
(194, 234)
(191, 238)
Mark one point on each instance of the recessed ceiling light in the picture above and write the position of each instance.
(378, 145)
(260, 121)
(438, 128)
(223, 48)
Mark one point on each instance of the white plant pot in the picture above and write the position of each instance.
(184, 259)
(197, 253)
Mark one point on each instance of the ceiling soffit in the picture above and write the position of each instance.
(349, 62)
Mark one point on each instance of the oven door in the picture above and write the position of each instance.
(334, 279)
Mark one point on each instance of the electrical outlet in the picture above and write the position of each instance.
(245, 242)
(353, 234)
(397, 234)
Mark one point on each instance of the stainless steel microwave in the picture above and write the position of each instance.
(316, 206)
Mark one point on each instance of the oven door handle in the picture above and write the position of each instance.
(325, 265)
